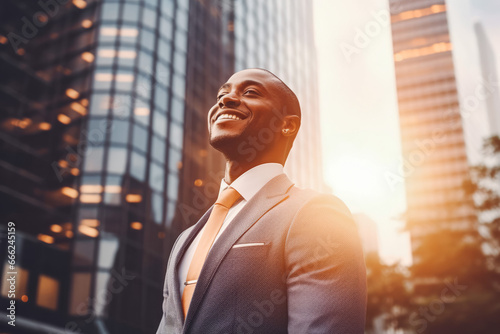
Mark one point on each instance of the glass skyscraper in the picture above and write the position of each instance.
(434, 151)
(104, 157)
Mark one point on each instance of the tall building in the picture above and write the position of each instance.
(285, 47)
(489, 74)
(104, 157)
(434, 153)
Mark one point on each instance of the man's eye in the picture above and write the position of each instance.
(251, 91)
(220, 96)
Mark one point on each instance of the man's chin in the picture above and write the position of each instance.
(226, 144)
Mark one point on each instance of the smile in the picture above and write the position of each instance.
(227, 116)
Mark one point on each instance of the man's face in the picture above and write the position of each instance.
(250, 101)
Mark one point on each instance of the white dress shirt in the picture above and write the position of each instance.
(248, 184)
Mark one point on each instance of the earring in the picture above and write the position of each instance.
(285, 131)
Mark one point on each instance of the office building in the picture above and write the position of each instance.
(103, 156)
(489, 75)
(434, 153)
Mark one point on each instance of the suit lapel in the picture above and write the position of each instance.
(273, 193)
(184, 244)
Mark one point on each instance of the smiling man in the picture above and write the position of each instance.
(268, 257)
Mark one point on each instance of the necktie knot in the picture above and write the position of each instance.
(228, 197)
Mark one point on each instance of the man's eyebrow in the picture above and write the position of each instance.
(244, 84)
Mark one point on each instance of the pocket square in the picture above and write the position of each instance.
(249, 244)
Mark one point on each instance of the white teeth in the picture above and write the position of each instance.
(227, 116)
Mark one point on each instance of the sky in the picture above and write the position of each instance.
(358, 105)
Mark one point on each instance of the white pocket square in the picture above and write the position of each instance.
(249, 244)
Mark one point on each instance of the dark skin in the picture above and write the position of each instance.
(249, 123)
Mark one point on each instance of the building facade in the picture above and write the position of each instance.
(434, 152)
(104, 157)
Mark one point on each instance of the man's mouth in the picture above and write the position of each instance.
(230, 116)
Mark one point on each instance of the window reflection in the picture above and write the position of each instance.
(83, 254)
(157, 206)
(162, 74)
(138, 166)
(99, 104)
(145, 62)
(141, 112)
(158, 149)
(176, 135)
(109, 11)
(93, 159)
(131, 12)
(121, 106)
(101, 285)
(80, 290)
(178, 85)
(119, 132)
(149, 18)
(47, 292)
(160, 124)
(173, 186)
(161, 97)
(174, 158)
(108, 247)
(156, 176)
(178, 110)
(117, 159)
(140, 138)
(147, 39)
(164, 50)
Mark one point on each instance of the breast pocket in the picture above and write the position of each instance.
(254, 250)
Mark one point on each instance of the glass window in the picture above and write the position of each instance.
(96, 131)
(102, 80)
(124, 79)
(47, 294)
(147, 39)
(93, 159)
(181, 40)
(182, 19)
(174, 160)
(153, 3)
(121, 106)
(157, 206)
(80, 290)
(130, 12)
(99, 104)
(164, 50)
(126, 56)
(117, 160)
(119, 132)
(128, 34)
(149, 18)
(170, 212)
(173, 186)
(101, 286)
(138, 166)
(21, 281)
(107, 34)
(176, 135)
(178, 110)
(180, 62)
(160, 124)
(162, 74)
(109, 11)
(141, 112)
(183, 3)
(143, 86)
(140, 139)
(105, 55)
(179, 85)
(167, 7)
(156, 176)
(83, 253)
(113, 189)
(145, 62)
(158, 149)
(161, 97)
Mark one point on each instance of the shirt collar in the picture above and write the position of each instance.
(250, 182)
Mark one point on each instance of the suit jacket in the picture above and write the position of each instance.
(289, 262)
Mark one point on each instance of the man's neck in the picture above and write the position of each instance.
(235, 169)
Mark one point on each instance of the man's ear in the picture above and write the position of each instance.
(291, 125)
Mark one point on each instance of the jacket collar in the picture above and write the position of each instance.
(273, 193)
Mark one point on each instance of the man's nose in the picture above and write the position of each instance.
(229, 100)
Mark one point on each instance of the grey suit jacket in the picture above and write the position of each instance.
(289, 262)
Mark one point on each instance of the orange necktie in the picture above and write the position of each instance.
(226, 199)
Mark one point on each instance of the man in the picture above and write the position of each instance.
(268, 257)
